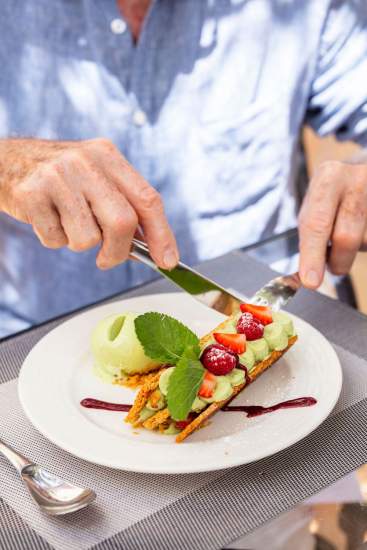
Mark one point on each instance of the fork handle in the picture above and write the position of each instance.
(17, 460)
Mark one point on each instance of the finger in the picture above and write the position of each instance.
(348, 233)
(146, 202)
(46, 224)
(118, 223)
(315, 227)
(363, 246)
(77, 219)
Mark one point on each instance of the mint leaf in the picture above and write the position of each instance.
(164, 338)
(184, 384)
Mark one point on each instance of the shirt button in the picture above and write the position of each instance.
(139, 118)
(118, 26)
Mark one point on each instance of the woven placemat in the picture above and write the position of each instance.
(201, 510)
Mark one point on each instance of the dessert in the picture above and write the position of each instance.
(117, 351)
(204, 374)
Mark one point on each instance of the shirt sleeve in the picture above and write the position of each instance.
(338, 99)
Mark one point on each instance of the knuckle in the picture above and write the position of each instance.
(317, 223)
(48, 173)
(71, 160)
(346, 240)
(150, 199)
(124, 223)
(103, 144)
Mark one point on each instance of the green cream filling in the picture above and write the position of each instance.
(229, 327)
(198, 404)
(164, 380)
(236, 377)
(171, 430)
(285, 321)
(145, 414)
(276, 336)
(259, 348)
(247, 358)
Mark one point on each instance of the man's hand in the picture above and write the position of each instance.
(334, 211)
(80, 194)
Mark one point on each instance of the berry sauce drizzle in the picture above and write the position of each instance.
(258, 410)
(89, 403)
(247, 376)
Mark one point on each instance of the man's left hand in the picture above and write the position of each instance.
(334, 212)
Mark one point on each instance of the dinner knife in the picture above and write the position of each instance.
(276, 293)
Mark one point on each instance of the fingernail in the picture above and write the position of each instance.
(170, 258)
(312, 278)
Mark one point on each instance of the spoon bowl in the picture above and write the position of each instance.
(54, 495)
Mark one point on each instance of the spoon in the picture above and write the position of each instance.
(53, 495)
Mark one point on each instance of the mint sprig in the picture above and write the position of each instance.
(164, 338)
(184, 384)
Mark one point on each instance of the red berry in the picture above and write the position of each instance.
(218, 360)
(234, 342)
(249, 326)
(208, 385)
(261, 313)
(182, 424)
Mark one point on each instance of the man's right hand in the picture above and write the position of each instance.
(80, 194)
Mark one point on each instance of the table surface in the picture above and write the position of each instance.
(346, 499)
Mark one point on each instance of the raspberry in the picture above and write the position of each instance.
(182, 424)
(250, 326)
(219, 360)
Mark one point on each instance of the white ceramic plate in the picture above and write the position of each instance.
(57, 374)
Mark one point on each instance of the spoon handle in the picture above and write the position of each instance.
(16, 459)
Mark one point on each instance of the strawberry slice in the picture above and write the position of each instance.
(262, 313)
(234, 342)
(208, 385)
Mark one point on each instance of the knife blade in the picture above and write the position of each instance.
(275, 293)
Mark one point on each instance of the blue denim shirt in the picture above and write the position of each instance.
(208, 107)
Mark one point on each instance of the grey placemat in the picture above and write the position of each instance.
(204, 510)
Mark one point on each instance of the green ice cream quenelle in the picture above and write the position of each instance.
(116, 348)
